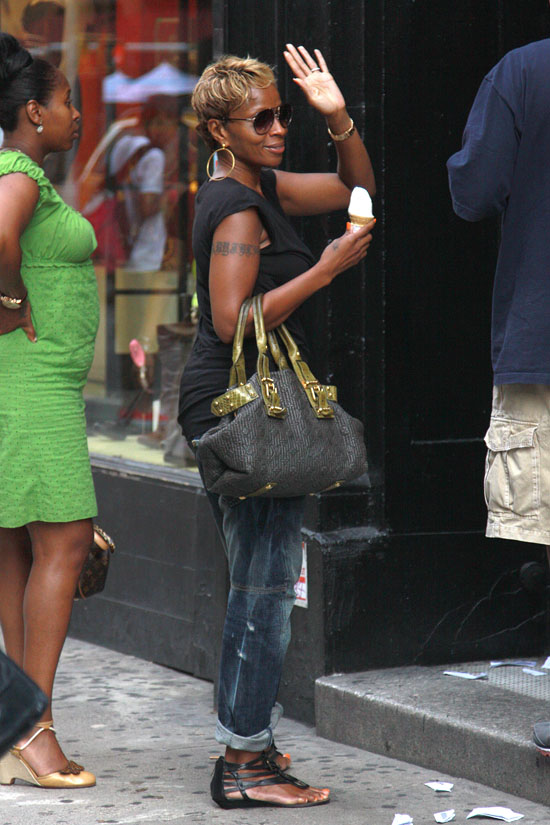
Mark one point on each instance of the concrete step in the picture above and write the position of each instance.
(479, 730)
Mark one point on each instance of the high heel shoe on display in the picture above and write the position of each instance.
(14, 766)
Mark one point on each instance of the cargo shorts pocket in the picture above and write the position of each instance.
(512, 469)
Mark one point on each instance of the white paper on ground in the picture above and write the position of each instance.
(465, 675)
(402, 819)
(532, 672)
(440, 786)
(546, 665)
(505, 814)
(515, 663)
(445, 816)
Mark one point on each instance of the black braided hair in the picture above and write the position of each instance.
(22, 78)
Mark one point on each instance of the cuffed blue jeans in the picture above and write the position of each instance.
(263, 542)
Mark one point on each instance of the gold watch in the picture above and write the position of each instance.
(12, 303)
(344, 135)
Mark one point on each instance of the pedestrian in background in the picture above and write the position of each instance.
(244, 245)
(502, 169)
(48, 324)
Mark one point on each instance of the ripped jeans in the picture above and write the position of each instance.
(263, 543)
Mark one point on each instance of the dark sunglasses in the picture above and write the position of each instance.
(263, 121)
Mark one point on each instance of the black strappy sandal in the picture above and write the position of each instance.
(272, 753)
(260, 772)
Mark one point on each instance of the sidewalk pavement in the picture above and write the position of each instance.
(146, 731)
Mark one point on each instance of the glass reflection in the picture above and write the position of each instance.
(132, 65)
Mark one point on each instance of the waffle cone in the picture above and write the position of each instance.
(360, 220)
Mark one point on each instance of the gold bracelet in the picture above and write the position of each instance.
(345, 135)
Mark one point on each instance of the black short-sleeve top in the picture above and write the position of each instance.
(206, 374)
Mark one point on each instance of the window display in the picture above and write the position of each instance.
(132, 65)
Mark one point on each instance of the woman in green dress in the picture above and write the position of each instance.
(48, 324)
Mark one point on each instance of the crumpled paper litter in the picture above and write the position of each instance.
(504, 814)
(445, 816)
(463, 675)
(440, 786)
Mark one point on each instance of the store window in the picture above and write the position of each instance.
(132, 65)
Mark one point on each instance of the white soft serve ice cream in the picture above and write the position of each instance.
(360, 207)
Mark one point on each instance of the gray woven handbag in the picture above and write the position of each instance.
(282, 435)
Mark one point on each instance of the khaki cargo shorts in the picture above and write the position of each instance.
(517, 467)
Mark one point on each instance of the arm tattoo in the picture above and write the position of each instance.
(335, 244)
(226, 248)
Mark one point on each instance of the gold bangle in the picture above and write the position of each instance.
(345, 135)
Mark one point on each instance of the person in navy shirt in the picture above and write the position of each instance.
(503, 169)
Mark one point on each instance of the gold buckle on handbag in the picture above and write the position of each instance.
(320, 396)
(271, 398)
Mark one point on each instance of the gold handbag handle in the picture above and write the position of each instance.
(237, 374)
(241, 393)
(318, 394)
(276, 351)
(105, 541)
(270, 395)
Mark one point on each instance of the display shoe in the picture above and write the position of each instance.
(14, 766)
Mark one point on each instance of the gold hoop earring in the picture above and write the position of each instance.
(223, 148)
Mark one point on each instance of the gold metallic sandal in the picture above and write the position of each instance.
(14, 766)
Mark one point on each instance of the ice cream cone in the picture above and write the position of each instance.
(356, 222)
(360, 205)
(360, 220)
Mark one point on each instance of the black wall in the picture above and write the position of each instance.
(406, 336)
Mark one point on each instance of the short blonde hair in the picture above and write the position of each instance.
(224, 86)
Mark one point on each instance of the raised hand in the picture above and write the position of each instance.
(314, 79)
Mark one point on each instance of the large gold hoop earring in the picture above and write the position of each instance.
(223, 148)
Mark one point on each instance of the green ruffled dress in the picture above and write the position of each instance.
(45, 472)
